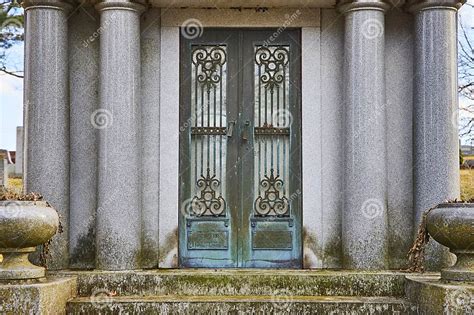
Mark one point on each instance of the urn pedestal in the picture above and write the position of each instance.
(23, 226)
(452, 225)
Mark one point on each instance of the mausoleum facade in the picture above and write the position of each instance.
(241, 134)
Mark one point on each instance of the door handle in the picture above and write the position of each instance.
(230, 128)
(245, 133)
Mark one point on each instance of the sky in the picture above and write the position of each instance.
(11, 88)
(11, 100)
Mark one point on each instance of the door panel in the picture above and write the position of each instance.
(208, 152)
(240, 151)
(271, 197)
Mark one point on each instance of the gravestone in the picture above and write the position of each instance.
(3, 172)
(19, 151)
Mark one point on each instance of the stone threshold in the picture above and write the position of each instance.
(240, 282)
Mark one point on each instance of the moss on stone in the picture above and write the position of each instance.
(48, 296)
(242, 282)
(83, 254)
(149, 254)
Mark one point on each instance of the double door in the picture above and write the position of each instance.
(240, 149)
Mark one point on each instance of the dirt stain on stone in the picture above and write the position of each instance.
(168, 252)
(83, 254)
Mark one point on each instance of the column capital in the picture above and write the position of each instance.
(64, 5)
(120, 5)
(345, 6)
(414, 6)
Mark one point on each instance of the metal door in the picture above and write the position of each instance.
(240, 149)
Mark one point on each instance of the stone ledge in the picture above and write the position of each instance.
(241, 305)
(45, 296)
(434, 296)
(239, 282)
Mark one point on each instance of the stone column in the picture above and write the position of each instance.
(364, 231)
(436, 147)
(119, 213)
(46, 118)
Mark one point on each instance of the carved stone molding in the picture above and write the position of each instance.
(120, 5)
(414, 6)
(48, 4)
(345, 6)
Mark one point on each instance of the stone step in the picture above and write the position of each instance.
(240, 305)
(240, 282)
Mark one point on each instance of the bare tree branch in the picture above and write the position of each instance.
(466, 79)
(12, 73)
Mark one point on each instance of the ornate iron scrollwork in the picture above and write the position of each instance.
(208, 203)
(273, 60)
(208, 61)
(272, 202)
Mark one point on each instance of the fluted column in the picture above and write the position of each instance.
(118, 213)
(365, 237)
(436, 152)
(47, 113)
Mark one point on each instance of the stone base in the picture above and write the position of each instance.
(435, 296)
(16, 265)
(46, 296)
(457, 275)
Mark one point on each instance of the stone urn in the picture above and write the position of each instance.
(23, 226)
(452, 225)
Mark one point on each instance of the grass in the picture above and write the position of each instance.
(15, 184)
(467, 184)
